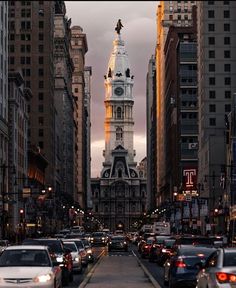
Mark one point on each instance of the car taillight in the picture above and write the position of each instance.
(180, 264)
(225, 277)
(146, 246)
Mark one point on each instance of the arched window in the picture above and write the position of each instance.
(118, 113)
(119, 133)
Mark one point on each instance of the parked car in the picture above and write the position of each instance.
(219, 270)
(181, 269)
(118, 243)
(99, 238)
(76, 257)
(29, 266)
(59, 253)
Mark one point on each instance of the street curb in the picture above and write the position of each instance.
(89, 275)
(147, 273)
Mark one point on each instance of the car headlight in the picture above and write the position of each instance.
(59, 259)
(103, 238)
(77, 259)
(43, 278)
(89, 251)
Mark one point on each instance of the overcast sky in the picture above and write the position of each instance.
(98, 20)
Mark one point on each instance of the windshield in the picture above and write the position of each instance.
(71, 246)
(24, 258)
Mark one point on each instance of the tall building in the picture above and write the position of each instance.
(64, 104)
(151, 135)
(31, 28)
(176, 13)
(78, 50)
(87, 91)
(217, 87)
(119, 196)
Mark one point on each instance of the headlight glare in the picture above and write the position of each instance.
(43, 278)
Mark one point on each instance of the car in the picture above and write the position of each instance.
(80, 246)
(145, 249)
(29, 266)
(118, 243)
(59, 253)
(99, 238)
(155, 249)
(76, 257)
(219, 270)
(88, 249)
(181, 269)
(166, 251)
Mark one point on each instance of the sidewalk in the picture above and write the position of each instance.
(118, 272)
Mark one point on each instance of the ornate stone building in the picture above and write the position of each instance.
(119, 196)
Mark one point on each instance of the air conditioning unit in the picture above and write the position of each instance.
(193, 146)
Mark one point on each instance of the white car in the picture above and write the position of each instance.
(77, 260)
(28, 266)
(219, 271)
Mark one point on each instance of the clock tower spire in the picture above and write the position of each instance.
(119, 101)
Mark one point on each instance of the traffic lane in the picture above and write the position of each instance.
(78, 278)
(154, 269)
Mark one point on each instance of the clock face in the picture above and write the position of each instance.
(119, 91)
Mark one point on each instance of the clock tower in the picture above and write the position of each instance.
(119, 102)
(119, 195)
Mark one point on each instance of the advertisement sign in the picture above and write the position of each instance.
(189, 179)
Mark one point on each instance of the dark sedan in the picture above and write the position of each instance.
(182, 268)
(118, 243)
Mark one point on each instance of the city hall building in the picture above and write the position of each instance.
(119, 195)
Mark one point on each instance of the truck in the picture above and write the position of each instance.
(161, 228)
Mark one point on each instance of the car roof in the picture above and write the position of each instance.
(27, 247)
(229, 249)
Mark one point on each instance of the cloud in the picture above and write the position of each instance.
(98, 20)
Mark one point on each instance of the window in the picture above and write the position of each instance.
(212, 121)
(211, 40)
(226, 2)
(211, 14)
(12, 37)
(41, 121)
(11, 48)
(41, 72)
(211, 2)
(212, 108)
(76, 90)
(41, 48)
(227, 94)
(179, 17)
(28, 84)
(226, 14)
(40, 132)
(118, 113)
(119, 133)
(41, 24)
(227, 67)
(226, 27)
(40, 96)
(41, 144)
(227, 54)
(227, 107)
(40, 108)
(40, 60)
(211, 27)
(41, 36)
(212, 80)
(211, 67)
(212, 94)
(227, 40)
(211, 53)
(227, 81)
(12, 60)
(41, 84)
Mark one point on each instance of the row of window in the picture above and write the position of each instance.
(212, 94)
(227, 54)
(212, 67)
(211, 14)
(227, 81)
(212, 108)
(211, 41)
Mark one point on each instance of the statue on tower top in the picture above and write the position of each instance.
(118, 26)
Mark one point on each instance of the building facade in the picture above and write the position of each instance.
(119, 196)
(78, 50)
(176, 13)
(217, 85)
(151, 135)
